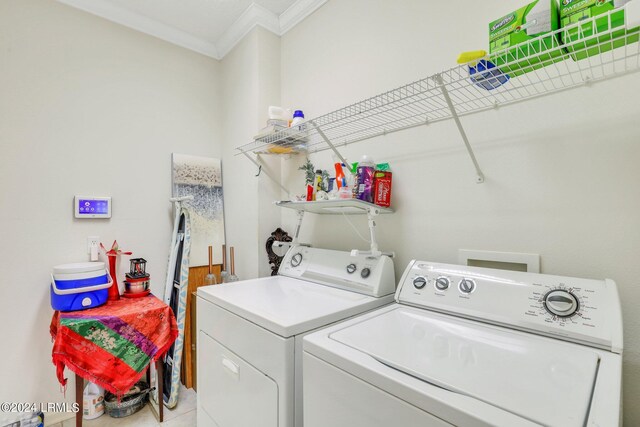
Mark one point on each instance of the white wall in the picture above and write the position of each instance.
(86, 106)
(250, 82)
(562, 171)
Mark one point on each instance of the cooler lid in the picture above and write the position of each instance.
(541, 379)
(288, 306)
(78, 267)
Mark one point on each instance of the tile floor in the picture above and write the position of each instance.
(183, 415)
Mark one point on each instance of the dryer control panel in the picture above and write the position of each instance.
(579, 310)
(372, 276)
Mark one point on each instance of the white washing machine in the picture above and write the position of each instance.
(250, 332)
(469, 346)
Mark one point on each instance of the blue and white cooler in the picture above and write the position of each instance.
(79, 286)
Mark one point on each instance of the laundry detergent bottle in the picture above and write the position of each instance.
(364, 176)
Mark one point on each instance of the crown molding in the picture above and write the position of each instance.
(111, 12)
(297, 12)
(253, 16)
(250, 18)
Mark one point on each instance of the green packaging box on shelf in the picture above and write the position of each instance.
(508, 37)
(574, 11)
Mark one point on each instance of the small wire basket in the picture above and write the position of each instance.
(131, 402)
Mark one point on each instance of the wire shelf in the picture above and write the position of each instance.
(335, 207)
(590, 51)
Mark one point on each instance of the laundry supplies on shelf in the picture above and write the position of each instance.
(536, 67)
(382, 180)
(285, 132)
(516, 37)
(340, 179)
(486, 75)
(79, 286)
(579, 40)
(372, 182)
(364, 179)
(298, 121)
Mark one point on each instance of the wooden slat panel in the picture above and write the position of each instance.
(196, 279)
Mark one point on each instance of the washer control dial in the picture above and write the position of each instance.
(561, 303)
(365, 272)
(351, 268)
(442, 283)
(296, 259)
(466, 286)
(419, 282)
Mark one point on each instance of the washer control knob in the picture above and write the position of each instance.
(442, 283)
(419, 282)
(466, 286)
(351, 268)
(296, 259)
(561, 303)
(365, 272)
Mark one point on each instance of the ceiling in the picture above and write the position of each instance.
(210, 27)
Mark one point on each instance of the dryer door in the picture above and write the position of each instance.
(232, 392)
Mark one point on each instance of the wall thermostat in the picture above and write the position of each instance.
(92, 207)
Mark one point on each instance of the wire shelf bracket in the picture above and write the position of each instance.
(262, 169)
(463, 134)
(331, 146)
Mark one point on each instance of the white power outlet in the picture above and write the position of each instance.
(93, 241)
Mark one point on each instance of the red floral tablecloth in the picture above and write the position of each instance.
(113, 344)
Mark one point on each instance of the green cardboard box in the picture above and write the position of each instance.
(574, 11)
(516, 39)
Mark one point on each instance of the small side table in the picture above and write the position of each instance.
(159, 415)
(112, 345)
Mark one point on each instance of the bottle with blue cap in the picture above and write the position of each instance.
(298, 119)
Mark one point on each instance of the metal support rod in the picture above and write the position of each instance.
(374, 250)
(333, 147)
(266, 172)
(371, 214)
(298, 226)
(463, 134)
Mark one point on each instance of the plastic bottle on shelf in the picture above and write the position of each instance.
(364, 176)
(352, 180)
(298, 121)
(339, 172)
(317, 183)
(345, 191)
(333, 189)
(279, 113)
(310, 192)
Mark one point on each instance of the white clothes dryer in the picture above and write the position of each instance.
(249, 351)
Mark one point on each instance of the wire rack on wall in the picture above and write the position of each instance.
(592, 50)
